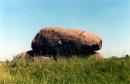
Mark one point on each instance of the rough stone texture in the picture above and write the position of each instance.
(31, 56)
(96, 56)
(22, 55)
(67, 42)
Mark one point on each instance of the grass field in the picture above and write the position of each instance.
(73, 71)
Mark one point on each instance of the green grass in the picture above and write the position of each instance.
(66, 71)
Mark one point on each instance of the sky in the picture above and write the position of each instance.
(20, 20)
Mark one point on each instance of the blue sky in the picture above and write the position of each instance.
(20, 20)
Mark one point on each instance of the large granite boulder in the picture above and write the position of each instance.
(65, 42)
